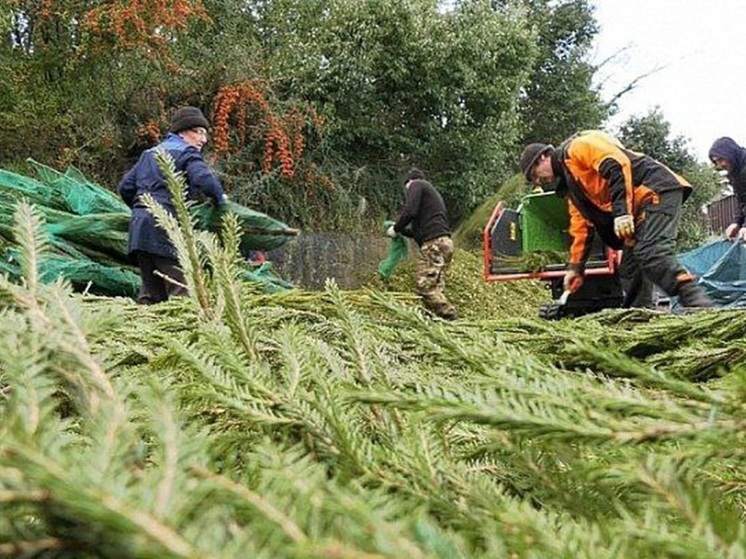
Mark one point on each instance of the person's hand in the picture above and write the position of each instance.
(624, 226)
(390, 231)
(742, 234)
(572, 281)
(731, 231)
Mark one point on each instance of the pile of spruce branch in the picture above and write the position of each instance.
(351, 424)
(473, 297)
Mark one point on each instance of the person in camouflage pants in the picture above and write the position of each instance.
(432, 264)
(424, 218)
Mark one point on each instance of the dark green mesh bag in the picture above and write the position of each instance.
(259, 231)
(87, 228)
(83, 275)
(397, 252)
(73, 192)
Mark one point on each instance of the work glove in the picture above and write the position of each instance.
(390, 231)
(732, 231)
(572, 281)
(624, 226)
(742, 234)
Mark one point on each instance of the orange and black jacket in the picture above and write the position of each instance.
(603, 180)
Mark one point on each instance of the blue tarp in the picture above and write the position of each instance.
(721, 269)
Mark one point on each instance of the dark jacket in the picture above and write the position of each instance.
(604, 180)
(728, 149)
(738, 183)
(425, 211)
(146, 177)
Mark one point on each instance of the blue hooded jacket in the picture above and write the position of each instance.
(146, 177)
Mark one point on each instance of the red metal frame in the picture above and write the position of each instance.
(613, 257)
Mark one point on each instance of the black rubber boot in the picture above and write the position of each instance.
(450, 314)
(691, 295)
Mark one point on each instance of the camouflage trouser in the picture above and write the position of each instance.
(432, 263)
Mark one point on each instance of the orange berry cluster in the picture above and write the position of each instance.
(132, 24)
(243, 107)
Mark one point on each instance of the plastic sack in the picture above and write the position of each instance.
(397, 252)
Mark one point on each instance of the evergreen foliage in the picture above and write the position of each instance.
(363, 89)
(560, 96)
(468, 234)
(350, 424)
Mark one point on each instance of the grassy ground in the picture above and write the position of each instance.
(471, 294)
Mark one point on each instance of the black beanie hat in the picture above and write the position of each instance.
(530, 156)
(415, 174)
(186, 118)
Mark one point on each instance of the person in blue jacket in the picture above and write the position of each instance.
(148, 243)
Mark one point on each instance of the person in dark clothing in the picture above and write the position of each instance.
(148, 243)
(728, 156)
(631, 200)
(424, 219)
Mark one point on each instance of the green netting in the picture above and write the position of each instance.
(75, 193)
(87, 229)
(260, 231)
(17, 186)
(105, 233)
(266, 277)
(84, 275)
(397, 252)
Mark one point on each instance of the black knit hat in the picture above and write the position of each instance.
(186, 118)
(415, 174)
(530, 156)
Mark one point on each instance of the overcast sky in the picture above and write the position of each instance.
(696, 51)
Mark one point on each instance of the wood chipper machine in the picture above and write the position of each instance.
(539, 227)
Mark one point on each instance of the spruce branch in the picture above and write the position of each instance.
(97, 505)
(616, 364)
(719, 529)
(352, 328)
(181, 230)
(37, 548)
(32, 240)
(285, 523)
(10, 497)
(231, 379)
(50, 309)
(224, 261)
(167, 429)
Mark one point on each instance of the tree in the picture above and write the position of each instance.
(402, 83)
(651, 134)
(395, 84)
(75, 72)
(560, 98)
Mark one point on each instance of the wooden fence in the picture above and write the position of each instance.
(720, 213)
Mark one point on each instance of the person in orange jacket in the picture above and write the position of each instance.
(631, 200)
